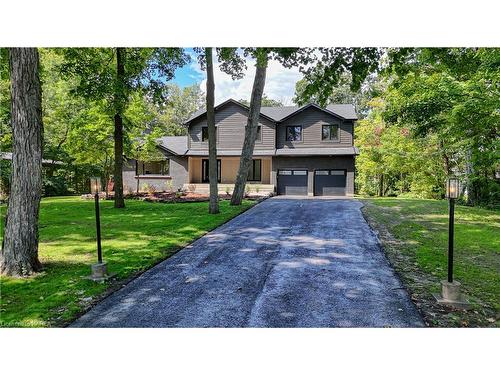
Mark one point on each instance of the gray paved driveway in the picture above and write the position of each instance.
(284, 263)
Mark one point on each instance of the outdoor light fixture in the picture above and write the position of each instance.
(452, 186)
(450, 289)
(99, 270)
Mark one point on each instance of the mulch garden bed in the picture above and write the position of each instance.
(173, 197)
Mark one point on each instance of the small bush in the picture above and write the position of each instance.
(54, 186)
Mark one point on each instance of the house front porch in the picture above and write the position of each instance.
(251, 188)
(259, 178)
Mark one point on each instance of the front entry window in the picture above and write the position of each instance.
(204, 170)
(254, 174)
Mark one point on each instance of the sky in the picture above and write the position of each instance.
(280, 81)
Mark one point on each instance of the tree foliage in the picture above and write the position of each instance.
(453, 95)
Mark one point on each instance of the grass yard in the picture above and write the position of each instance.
(133, 239)
(415, 237)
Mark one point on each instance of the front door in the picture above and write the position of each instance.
(204, 170)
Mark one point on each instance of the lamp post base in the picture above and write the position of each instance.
(99, 272)
(451, 295)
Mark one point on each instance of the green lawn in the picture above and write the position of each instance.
(133, 239)
(419, 244)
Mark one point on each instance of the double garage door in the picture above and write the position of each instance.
(327, 182)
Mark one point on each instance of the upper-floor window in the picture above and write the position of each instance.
(294, 133)
(259, 134)
(330, 133)
(204, 133)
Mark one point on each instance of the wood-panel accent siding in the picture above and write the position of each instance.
(311, 121)
(231, 121)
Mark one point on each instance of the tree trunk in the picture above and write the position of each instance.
(471, 186)
(19, 253)
(118, 134)
(213, 207)
(381, 186)
(250, 129)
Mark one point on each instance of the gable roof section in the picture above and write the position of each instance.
(279, 114)
(344, 111)
(176, 145)
(202, 111)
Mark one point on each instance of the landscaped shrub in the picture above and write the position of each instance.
(54, 186)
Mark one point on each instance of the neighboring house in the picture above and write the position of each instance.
(305, 150)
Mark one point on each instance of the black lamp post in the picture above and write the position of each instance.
(450, 289)
(99, 269)
(95, 187)
(452, 187)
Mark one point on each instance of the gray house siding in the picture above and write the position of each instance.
(313, 163)
(231, 120)
(311, 120)
(178, 176)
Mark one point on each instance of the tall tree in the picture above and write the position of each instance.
(19, 253)
(251, 127)
(113, 75)
(119, 104)
(213, 206)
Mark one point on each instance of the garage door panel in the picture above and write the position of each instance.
(331, 182)
(292, 182)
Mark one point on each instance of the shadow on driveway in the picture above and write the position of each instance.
(283, 263)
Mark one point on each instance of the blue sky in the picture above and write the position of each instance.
(190, 74)
(280, 82)
(187, 76)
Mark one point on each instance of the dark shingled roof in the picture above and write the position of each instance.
(345, 111)
(177, 145)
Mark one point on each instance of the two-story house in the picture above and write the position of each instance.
(305, 150)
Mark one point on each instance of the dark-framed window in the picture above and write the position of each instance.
(204, 133)
(259, 134)
(294, 133)
(205, 173)
(161, 167)
(330, 133)
(255, 173)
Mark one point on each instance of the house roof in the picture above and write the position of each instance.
(177, 145)
(345, 111)
(230, 152)
(8, 156)
(317, 151)
(278, 114)
(283, 152)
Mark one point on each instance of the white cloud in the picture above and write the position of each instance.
(280, 82)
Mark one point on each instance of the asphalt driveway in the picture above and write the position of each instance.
(287, 262)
